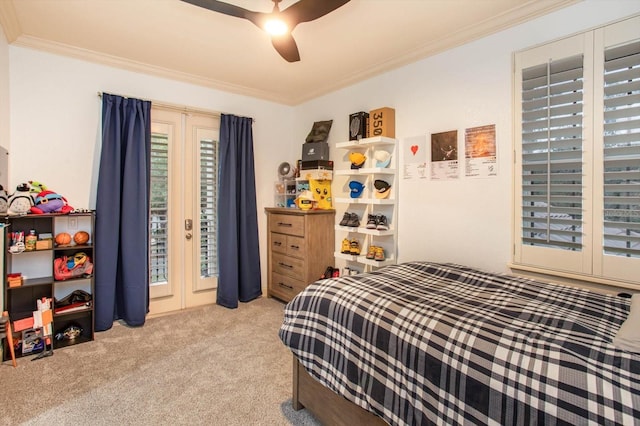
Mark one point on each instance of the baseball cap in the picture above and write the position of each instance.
(356, 188)
(382, 157)
(382, 188)
(357, 159)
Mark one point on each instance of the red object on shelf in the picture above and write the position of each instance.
(72, 307)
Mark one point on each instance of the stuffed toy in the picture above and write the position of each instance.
(50, 202)
(20, 201)
(3, 200)
(321, 190)
(37, 186)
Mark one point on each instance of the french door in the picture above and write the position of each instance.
(183, 269)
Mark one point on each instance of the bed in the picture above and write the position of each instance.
(432, 343)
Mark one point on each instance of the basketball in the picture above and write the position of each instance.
(63, 239)
(81, 237)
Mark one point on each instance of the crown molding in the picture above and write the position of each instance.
(9, 21)
(144, 68)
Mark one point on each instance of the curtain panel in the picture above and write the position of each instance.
(239, 258)
(122, 218)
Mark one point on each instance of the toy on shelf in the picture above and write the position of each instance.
(50, 202)
(20, 202)
(81, 237)
(63, 239)
(36, 186)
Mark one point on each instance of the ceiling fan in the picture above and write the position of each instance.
(278, 24)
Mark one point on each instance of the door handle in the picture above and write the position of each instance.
(188, 225)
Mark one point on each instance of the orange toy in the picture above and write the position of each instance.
(81, 237)
(63, 239)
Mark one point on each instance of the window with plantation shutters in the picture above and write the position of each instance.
(621, 135)
(552, 165)
(577, 157)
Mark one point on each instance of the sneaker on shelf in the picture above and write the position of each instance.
(345, 219)
(383, 224)
(379, 256)
(354, 221)
(346, 246)
(372, 221)
(354, 247)
(371, 253)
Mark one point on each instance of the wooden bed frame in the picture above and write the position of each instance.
(327, 406)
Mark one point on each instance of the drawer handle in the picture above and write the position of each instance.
(295, 247)
(290, 287)
(277, 243)
(285, 265)
(285, 224)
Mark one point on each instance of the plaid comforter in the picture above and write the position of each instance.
(427, 343)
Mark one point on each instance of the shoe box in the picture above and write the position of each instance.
(315, 151)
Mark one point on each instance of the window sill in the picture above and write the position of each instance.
(601, 285)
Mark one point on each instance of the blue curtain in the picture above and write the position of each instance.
(239, 255)
(122, 219)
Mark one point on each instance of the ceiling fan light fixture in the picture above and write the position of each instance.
(276, 27)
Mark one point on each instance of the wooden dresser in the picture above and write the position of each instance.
(301, 246)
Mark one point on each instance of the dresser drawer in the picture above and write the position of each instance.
(296, 246)
(287, 224)
(279, 243)
(284, 287)
(287, 265)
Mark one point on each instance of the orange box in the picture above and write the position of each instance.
(14, 280)
(44, 244)
(382, 122)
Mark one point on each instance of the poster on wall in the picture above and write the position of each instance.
(480, 151)
(444, 155)
(414, 151)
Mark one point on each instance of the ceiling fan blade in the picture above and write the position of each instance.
(226, 9)
(286, 47)
(308, 10)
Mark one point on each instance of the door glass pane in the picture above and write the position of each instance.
(158, 209)
(208, 208)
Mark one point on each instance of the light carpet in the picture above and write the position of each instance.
(208, 365)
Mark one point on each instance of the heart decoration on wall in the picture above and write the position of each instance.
(414, 149)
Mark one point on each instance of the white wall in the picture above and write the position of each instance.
(467, 220)
(4, 101)
(55, 124)
(4, 126)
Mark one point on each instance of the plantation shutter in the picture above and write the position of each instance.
(621, 197)
(552, 154)
(158, 209)
(208, 208)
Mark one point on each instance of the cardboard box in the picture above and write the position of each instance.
(44, 244)
(315, 151)
(382, 122)
(358, 125)
(14, 280)
(316, 174)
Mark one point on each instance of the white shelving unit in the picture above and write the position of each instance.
(367, 203)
